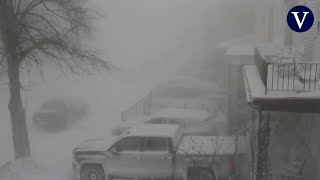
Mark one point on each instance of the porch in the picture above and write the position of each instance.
(278, 82)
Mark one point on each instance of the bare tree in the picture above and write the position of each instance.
(33, 32)
(202, 157)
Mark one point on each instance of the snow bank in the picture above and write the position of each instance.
(28, 169)
(19, 169)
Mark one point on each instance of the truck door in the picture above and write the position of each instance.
(157, 157)
(124, 159)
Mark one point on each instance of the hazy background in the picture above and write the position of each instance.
(150, 41)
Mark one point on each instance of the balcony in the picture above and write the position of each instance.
(280, 72)
(277, 82)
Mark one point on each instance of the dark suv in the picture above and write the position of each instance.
(60, 112)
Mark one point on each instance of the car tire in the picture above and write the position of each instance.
(92, 172)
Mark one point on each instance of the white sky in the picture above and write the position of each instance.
(152, 35)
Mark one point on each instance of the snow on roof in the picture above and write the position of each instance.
(154, 130)
(187, 114)
(219, 145)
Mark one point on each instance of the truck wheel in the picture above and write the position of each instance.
(92, 172)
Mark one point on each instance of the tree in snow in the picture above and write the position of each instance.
(33, 32)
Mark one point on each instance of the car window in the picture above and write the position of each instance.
(156, 144)
(130, 144)
(166, 121)
(176, 121)
(156, 121)
(53, 104)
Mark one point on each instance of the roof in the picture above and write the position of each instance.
(187, 114)
(154, 130)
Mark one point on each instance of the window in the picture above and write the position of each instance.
(53, 105)
(166, 121)
(156, 144)
(130, 144)
(176, 121)
(156, 121)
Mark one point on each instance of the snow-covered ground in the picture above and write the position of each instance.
(107, 95)
(150, 41)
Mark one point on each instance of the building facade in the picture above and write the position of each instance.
(277, 73)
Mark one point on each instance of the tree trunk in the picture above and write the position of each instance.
(17, 112)
(10, 34)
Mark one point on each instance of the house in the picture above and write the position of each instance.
(276, 71)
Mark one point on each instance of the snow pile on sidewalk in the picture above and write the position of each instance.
(23, 169)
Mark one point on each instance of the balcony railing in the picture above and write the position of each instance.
(280, 73)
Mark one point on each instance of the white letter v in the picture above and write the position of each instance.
(300, 23)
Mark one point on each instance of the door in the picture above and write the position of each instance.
(157, 157)
(124, 158)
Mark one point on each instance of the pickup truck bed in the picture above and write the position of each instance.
(218, 145)
(222, 152)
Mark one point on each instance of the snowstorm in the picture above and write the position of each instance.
(159, 89)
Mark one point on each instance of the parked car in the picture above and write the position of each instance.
(60, 112)
(155, 152)
(193, 122)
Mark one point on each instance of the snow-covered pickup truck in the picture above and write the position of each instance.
(156, 152)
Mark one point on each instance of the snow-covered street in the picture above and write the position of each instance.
(151, 42)
(53, 150)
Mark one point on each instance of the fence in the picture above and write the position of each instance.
(142, 107)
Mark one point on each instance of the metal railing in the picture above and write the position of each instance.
(142, 107)
(300, 77)
(284, 74)
(262, 66)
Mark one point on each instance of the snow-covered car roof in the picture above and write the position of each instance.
(154, 130)
(186, 114)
